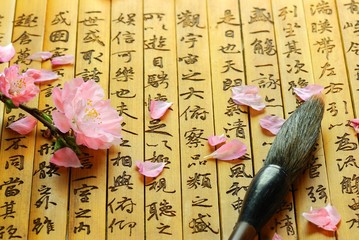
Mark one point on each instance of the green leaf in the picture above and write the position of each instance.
(9, 105)
(60, 143)
(46, 117)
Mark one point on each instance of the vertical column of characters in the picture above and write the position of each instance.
(88, 183)
(261, 66)
(348, 12)
(7, 12)
(230, 119)
(17, 151)
(48, 216)
(296, 72)
(125, 202)
(340, 142)
(163, 193)
(199, 187)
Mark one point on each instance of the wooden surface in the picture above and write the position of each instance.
(191, 53)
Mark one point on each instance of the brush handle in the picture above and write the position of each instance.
(263, 198)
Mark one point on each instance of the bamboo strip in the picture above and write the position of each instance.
(230, 119)
(163, 194)
(125, 202)
(88, 184)
(199, 190)
(340, 142)
(17, 151)
(261, 68)
(50, 185)
(312, 189)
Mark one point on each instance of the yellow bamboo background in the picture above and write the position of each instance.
(190, 53)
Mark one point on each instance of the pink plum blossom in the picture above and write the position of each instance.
(248, 95)
(159, 108)
(150, 169)
(63, 60)
(271, 123)
(19, 88)
(355, 124)
(308, 91)
(215, 140)
(80, 107)
(66, 157)
(40, 56)
(41, 75)
(229, 151)
(7, 53)
(326, 217)
(24, 125)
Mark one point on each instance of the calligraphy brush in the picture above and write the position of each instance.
(287, 158)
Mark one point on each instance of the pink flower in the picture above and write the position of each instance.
(80, 107)
(158, 108)
(150, 169)
(248, 95)
(326, 218)
(24, 125)
(355, 124)
(308, 91)
(271, 123)
(277, 237)
(229, 151)
(41, 75)
(40, 56)
(7, 53)
(215, 140)
(63, 60)
(66, 157)
(19, 88)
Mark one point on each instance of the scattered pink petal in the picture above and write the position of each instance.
(63, 60)
(229, 151)
(308, 91)
(24, 125)
(277, 237)
(271, 123)
(40, 56)
(66, 157)
(326, 218)
(158, 108)
(355, 124)
(7, 53)
(248, 95)
(150, 169)
(215, 140)
(41, 75)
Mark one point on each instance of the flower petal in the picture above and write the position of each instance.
(24, 125)
(7, 53)
(271, 123)
(40, 56)
(248, 95)
(355, 124)
(150, 169)
(63, 60)
(326, 218)
(159, 108)
(41, 75)
(277, 237)
(60, 121)
(308, 91)
(66, 157)
(215, 140)
(229, 151)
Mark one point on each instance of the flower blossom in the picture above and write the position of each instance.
(308, 91)
(24, 125)
(326, 217)
(65, 157)
(18, 87)
(272, 123)
(80, 107)
(7, 53)
(248, 95)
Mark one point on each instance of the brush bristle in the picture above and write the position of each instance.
(295, 142)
